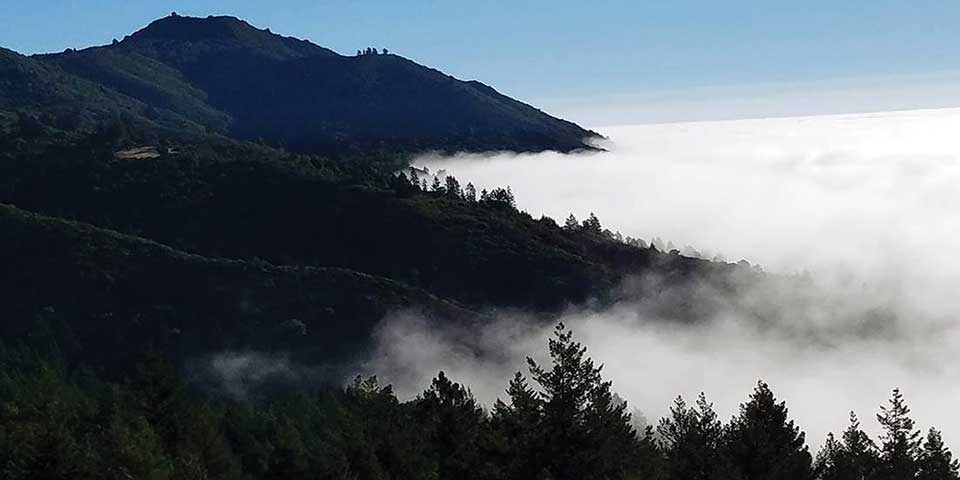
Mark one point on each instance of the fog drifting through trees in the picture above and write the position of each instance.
(865, 203)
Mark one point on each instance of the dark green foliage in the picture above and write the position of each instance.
(104, 298)
(584, 434)
(455, 428)
(60, 421)
(761, 442)
(479, 253)
(518, 423)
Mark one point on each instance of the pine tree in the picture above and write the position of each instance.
(762, 443)
(436, 186)
(452, 187)
(827, 463)
(502, 196)
(860, 455)
(936, 460)
(853, 457)
(518, 426)
(900, 442)
(587, 435)
(592, 224)
(453, 422)
(691, 439)
(571, 224)
(470, 193)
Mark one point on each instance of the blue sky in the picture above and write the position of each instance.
(589, 57)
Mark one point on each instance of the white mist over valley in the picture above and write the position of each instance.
(861, 207)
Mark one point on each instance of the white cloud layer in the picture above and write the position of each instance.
(868, 203)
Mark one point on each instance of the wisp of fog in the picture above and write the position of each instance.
(865, 205)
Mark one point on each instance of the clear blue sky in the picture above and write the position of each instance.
(558, 53)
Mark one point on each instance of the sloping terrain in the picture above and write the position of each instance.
(106, 298)
(234, 79)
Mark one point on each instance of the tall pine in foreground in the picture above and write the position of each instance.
(582, 432)
(762, 443)
(900, 441)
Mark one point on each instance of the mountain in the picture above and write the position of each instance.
(142, 218)
(231, 78)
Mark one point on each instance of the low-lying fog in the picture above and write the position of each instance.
(869, 204)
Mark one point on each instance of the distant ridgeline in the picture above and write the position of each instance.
(220, 75)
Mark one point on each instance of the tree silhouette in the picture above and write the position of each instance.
(691, 440)
(587, 435)
(452, 187)
(854, 457)
(900, 441)
(518, 424)
(571, 223)
(936, 460)
(470, 193)
(453, 422)
(592, 224)
(762, 443)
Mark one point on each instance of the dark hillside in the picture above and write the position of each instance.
(234, 79)
(105, 298)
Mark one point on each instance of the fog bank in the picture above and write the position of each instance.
(867, 203)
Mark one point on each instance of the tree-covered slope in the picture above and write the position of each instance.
(300, 212)
(105, 297)
(232, 78)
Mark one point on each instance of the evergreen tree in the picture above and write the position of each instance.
(900, 441)
(452, 187)
(453, 422)
(762, 443)
(586, 435)
(414, 178)
(860, 455)
(592, 224)
(827, 463)
(518, 426)
(571, 223)
(470, 193)
(502, 196)
(853, 457)
(691, 439)
(436, 186)
(936, 460)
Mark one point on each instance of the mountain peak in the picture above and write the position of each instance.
(224, 31)
(176, 27)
